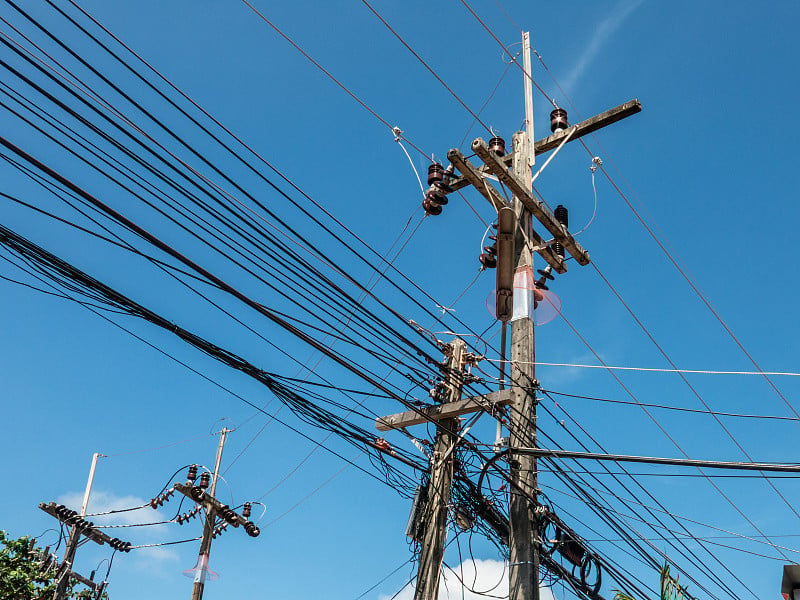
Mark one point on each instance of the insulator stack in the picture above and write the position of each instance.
(251, 529)
(497, 145)
(205, 480)
(489, 257)
(433, 202)
(227, 513)
(162, 498)
(197, 493)
(70, 517)
(219, 530)
(562, 216)
(435, 173)
(118, 544)
(545, 275)
(247, 510)
(192, 473)
(558, 120)
(436, 194)
(181, 519)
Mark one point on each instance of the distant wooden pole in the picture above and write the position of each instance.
(208, 528)
(523, 570)
(435, 515)
(74, 538)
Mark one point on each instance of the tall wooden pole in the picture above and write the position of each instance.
(208, 528)
(523, 572)
(442, 463)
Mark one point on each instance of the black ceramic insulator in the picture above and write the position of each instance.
(247, 510)
(562, 215)
(192, 473)
(489, 261)
(497, 145)
(558, 249)
(436, 198)
(205, 480)
(545, 274)
(431, 208)
(435, 173)
(558, 120)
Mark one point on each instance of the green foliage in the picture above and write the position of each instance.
(21, 574)
(671, 589)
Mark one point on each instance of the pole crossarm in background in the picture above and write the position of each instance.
(84, 527)
(488, 402)
(210, 503)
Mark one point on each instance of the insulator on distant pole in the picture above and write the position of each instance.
(558, 120)
(247, 510)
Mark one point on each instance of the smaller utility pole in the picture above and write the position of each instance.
(74, 537)
(214, 508)
(208, 528)
(79, 527)
(435, 514)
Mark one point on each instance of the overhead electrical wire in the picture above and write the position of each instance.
(126, 64)
(475, 15)
(253, 199)
(12, 241)
(652, 369)
(475, 116)
(673, 408)
(683, 271)
(642, 488)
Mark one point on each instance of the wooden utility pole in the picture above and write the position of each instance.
(515, 303)
(74, 538)
(435, 514)
(208, 528)
(523, 570)
(523, 542)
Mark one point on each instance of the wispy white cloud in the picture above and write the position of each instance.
(480, 576)
(602, 34)
(102, 501)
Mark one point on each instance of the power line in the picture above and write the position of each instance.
(674, 408)
(651, 369)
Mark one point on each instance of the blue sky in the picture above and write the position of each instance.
(708, 166)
